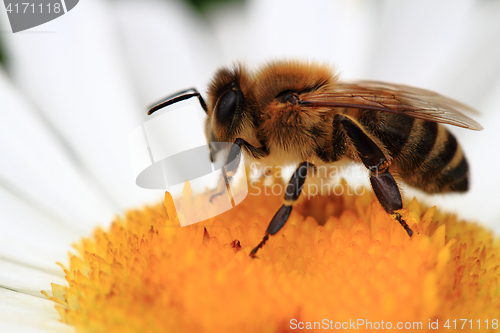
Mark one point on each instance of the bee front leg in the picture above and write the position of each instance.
(233, 161)
(383, 184)
(292, 193)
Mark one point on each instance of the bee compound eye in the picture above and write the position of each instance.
(227, 106)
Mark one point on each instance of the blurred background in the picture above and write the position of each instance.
(73, 89)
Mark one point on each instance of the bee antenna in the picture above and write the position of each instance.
(180, 96)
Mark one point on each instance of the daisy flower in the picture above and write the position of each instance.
(72, 90)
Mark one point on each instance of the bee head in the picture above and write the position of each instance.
(231, 105)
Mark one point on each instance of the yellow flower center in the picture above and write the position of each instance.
(147, 274)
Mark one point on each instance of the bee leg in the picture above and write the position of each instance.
(223, 183)
(383, 184)
(292, 193)
(231, 166)
(233, 161)
(387, 192)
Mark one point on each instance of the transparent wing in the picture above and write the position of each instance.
(396, 98)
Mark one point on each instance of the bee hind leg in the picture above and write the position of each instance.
(292, 193)
(383, 184)
(387, 192)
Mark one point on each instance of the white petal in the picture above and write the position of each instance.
(24, 313)
(77, 77)
(35, 166)
(27, 280)
(167, 47)
(473, 69)
(230, 23)
(414, 40)
(30, 238)
(332, 31)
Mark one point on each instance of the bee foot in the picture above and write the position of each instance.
(403, 223)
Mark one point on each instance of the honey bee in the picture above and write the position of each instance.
(300, 113)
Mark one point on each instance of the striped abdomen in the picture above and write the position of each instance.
(425, 154)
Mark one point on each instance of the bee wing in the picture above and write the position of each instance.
(396, 98)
